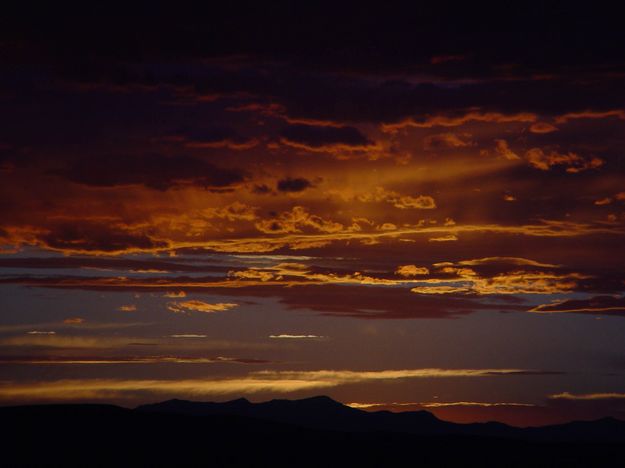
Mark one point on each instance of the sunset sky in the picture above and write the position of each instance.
(417, 208)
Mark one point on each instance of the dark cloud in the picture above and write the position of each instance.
(90, 237)
(155, 171)
(213, 137)
(261, 189)
(361, 302)
(112, 360)
(385, 303)
(297, 184)
(106, 263)
(319, 136)
(329, 35)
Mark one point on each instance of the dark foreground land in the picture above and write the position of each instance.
(315, 432)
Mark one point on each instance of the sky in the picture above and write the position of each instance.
(402, 207)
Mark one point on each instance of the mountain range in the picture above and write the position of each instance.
(315, 431)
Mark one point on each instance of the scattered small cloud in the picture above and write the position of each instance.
(187, 335)
(447, 238)
(199, 306)
(175, 294)
(543, 127)
(603, 201)
(298, 184)
(73, 320)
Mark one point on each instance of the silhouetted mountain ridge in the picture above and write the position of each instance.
(322, 412)
(311, 432)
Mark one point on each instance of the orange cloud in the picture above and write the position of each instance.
(445, 121)
(73, 320)
(573, 162)
(411, 270)
(620, 114)
(447, 238)
(503, 150)
(174, 294)
(543, 127)
(466, 280)
(446, 140)
(599, 305)
(199, 306)
(295, 220)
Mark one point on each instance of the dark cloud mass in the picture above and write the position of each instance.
(154, 171)
(319, 136)
(296, 184)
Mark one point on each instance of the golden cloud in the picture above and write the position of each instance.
(542, 127)
(573, 162)
(411, 270)
(262, 381)
(199, 306)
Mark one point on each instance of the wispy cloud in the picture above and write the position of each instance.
(295, 337)
(260, 381)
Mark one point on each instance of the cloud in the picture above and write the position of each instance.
(175, 294)
(93, 237)
(188, 335)
(506, 260)
(312, 136)
(542, 127)
(114, 360)
(449, 121)
(446, 140)
(589, 114)
(380, 194)
(154, 171)
(342, 142)
(296, 220)
(295, 337)
(573, 163)
(384, 303)
(212, 137)
(199, 306)
(289, 184)
(255, 382)
(128, 308)
(60, 341)
(434, 404)
(588, 396)
(446, 238)
(105, 264)
(40, 332)
(466, 280)
(411, 270)
(503, 149)
(597, 305)
(73, 320)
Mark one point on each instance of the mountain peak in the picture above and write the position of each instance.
(320, 400)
